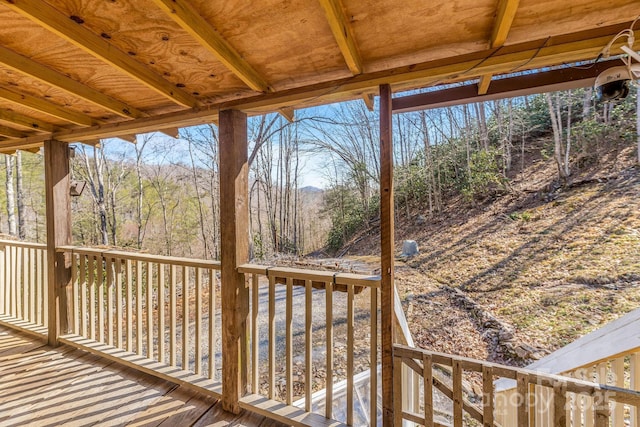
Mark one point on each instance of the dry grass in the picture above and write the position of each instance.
(553, 265)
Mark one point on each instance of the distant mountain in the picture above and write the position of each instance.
(311, 190)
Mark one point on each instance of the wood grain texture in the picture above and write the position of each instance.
(58, 213)
(234, 220)
(47, 386)
(387, 255)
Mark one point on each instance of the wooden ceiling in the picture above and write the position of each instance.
(80, 70)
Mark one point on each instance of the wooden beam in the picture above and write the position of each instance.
(369, 101)
(234, 232)
(43, 106)
(530, 55)
(49, 17)
(504, 19)
(387, 254)
(58, 215)
(35, 70)
(339, 23)
(191, 21)
(483, 84)
(288, 113)
(510, 87)
(11, 133)
(25, 121)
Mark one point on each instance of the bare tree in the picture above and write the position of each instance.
(561, 152)
(11, 203)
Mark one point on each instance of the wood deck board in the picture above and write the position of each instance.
(44, 386)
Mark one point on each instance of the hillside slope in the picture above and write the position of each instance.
(513, 279)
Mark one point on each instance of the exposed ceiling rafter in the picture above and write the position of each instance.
(48, 17)
(38, 71)
(530, 55)
(339, 23)
(46, 107)
(504, 20)
(11, 133)
(26, 121)
(191, 21)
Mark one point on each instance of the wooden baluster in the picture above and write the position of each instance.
(560, 404)
(373, 356)
(289, 338)
(350, 351)
(44, 271)
(457, 393)
(212, 323)
(101, 307)
(522, 381)
(329, 343)
(139, 314)
(272, 337)
(32, 290)
(198, 320)
(118, 284)
(75, 280)
(634, 384)
(161, 304)
(427, 375)
(397, 392)
(19, 283)
(149, 307)
(82, 266)
(617, 379)
(587, 401)
(487, 396)
(14, 281)
(308, 344)
(129, 304)
(185, 318)
(601, 410)
(255, 334)
(92, 297)
(110, 296)
(36, 290)
(172, 315)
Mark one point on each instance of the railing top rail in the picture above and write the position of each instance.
(346, 279)
(573, 385)
(162, 259)
(28, 245)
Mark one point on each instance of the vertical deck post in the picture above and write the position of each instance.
(58, 214)
(386, 253)
(234, 228)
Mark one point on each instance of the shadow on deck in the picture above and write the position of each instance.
(47, 386)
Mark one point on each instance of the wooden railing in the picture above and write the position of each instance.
(539, 398)
(23, 276)
(161, 308)
(620, 370)
(301, 314)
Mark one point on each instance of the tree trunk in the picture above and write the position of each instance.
(11, 201)
(638, 121)
(557, 138)
(20, 197)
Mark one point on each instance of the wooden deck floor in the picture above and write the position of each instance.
(43, 386)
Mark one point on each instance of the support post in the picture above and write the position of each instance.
(386, 254)
(234, 229)
(58, 214)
